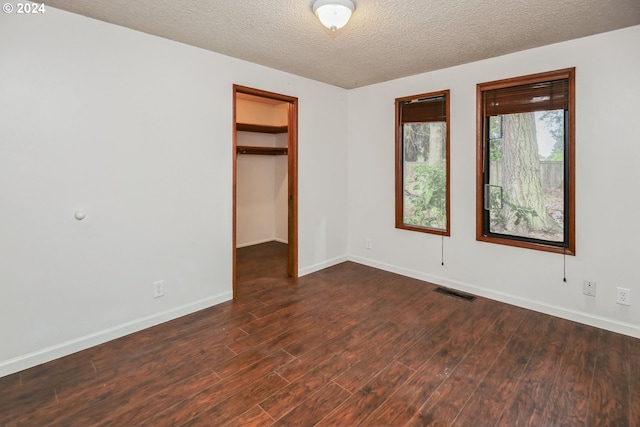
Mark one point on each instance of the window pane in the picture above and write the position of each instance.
(526, 155)
(424, 175)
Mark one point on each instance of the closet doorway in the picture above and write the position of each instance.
(265, 180)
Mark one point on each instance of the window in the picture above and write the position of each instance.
(525, 162)
(422, 163)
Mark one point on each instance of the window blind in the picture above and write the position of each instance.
(431, 109)
(550, 95)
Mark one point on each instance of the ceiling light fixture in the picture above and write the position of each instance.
(334, 14)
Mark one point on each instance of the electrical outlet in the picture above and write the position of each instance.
(589, 288)
(369, 244)
(158, 289)
(623, 296)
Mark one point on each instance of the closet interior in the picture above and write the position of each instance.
(261, 180)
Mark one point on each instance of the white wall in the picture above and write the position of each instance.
(136, 131)
(607, 175)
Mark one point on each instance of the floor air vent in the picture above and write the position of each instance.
(454, 293)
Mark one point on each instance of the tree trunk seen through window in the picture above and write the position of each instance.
(524, 210)
(436, 146)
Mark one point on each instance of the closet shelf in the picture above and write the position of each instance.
(274, 151)
(246, 127)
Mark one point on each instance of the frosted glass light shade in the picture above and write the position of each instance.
(334, 14)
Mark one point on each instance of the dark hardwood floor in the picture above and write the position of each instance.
(346, 346)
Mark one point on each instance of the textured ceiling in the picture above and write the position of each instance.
(385, 39)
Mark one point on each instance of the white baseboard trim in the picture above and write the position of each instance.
(322, 265)
(38, 357)
(47, 354)
(259, 242)
(576, 316)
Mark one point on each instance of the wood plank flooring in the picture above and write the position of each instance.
(346, 346)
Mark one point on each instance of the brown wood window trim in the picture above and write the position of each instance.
(406, 112)
(555, 101)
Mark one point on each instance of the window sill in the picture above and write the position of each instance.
(526, 245)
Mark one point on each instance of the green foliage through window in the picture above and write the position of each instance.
(426, 196)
